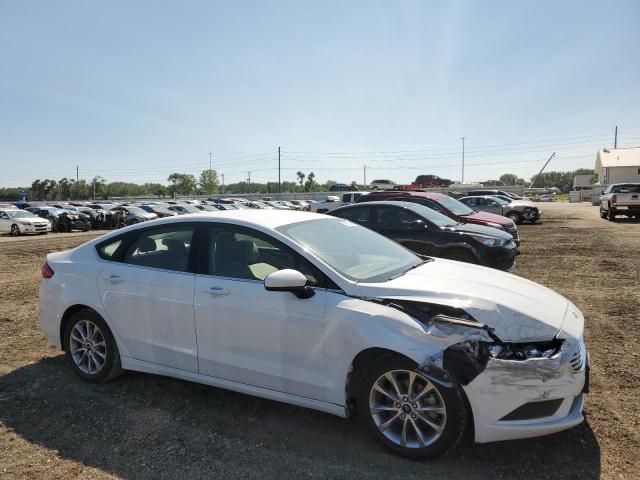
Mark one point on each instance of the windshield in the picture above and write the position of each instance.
(432, 216)
(21, 214)
(136, 210)
(353, 251)
(454, 206)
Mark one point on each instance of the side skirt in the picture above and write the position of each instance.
(129, 363)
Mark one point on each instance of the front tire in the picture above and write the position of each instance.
(460, 255)
(15, 230)
(90, 347)
(515, 217)
(407, 413)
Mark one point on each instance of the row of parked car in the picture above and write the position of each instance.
(21, 218)
(480, 229)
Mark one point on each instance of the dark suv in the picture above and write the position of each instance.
(448, 206)
(428, 232)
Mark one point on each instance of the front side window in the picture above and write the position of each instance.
(164, 248)
(250, 255)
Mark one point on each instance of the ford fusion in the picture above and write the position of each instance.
(320, 312)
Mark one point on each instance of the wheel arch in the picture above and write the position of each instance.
(70, 312)
(357, 367)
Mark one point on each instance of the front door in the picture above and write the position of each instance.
(148, 297)
(249, 335)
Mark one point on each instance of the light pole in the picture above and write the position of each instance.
(462, 138)
(210, 160)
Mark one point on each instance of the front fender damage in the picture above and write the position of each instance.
(471, 346)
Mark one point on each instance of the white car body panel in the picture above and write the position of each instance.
(300, 351)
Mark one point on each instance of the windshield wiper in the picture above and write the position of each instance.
(426, 260)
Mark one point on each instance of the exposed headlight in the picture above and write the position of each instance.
(488, 241)
(26, 222)
(524, 351)
(495, 225)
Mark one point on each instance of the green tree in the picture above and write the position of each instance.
(209, 182)
(511, 179)
(311, 182)
(182, 183)
(300, 176)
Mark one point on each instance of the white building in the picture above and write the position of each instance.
(618, 165)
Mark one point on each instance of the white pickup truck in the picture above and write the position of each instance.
(620, 199)
(335, 201)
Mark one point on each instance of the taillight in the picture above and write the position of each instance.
(614, 199)
(47, 271)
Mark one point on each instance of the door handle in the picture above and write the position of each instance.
(216, 291)
(115, 279)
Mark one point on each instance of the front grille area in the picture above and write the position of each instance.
(513, 231)
(578, 360)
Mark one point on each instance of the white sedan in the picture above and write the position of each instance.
(20, 222)
(320, 312)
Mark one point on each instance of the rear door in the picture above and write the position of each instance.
(148, 296)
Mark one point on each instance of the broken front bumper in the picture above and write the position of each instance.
(520, 399)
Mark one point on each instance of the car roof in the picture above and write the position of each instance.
(407, 193)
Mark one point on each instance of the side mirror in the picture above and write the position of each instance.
(417, 225)
(288, 280)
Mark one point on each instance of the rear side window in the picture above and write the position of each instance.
(111, 249)
(165, 248)
(361, 216)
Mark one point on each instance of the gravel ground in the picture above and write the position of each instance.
(52, 425)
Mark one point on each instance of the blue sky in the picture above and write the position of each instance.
(136, 90)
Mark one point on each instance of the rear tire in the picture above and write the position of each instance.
(611, 215)
(432, 417)
(90, 347)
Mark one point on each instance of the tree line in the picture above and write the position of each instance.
(208, 183)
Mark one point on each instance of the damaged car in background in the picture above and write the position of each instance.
(320, 312)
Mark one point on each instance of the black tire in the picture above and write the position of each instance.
(461, 255)
(611, 214)
(515, 217)
(603, 213)
(452, 397)
(111, 367)
(15, 230)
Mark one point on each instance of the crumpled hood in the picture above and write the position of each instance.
(517, 309)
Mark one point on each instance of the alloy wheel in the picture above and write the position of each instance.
(15, 230)
(407, 409)
(88, 347)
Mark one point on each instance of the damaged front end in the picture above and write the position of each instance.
(473, 345)
(515, 389)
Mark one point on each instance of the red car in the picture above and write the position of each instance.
(448, 206)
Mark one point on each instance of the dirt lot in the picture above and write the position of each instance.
(141, 426)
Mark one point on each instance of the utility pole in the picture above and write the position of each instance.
(249, 177)
(223, 183)
(541, 170)
(462, 138)
(364, 170)
(279, 186)
(615, 138)
(94, 189)
(210, 160)
(77, 167)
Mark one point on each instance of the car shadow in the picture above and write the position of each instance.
(147, 426)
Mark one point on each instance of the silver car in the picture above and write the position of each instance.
(517, 210)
